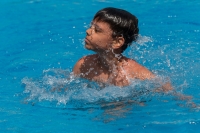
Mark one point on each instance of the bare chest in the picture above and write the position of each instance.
(117, 77)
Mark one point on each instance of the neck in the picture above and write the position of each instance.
(109, 60)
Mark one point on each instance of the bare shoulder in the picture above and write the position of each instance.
(82, 65)
(138, 71)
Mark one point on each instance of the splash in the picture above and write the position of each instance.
(170, 58)
(61, 87)
(142, 40)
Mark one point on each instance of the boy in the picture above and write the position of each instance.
(111, 31)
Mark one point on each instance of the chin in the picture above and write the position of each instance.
(87, 47)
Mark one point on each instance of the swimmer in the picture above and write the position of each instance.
(112, 30)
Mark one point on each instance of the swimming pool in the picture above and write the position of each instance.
(42, 39)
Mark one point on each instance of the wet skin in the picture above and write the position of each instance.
(108, 65)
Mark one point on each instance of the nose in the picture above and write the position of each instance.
(89, 31)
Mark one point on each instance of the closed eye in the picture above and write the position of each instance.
(95, 27)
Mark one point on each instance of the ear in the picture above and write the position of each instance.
(118, 42)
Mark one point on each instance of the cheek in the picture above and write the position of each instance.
(101, 40)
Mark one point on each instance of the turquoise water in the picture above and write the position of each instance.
(40, 41)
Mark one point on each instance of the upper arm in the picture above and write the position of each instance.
(141, 72)
(77, 66)
(146, 74)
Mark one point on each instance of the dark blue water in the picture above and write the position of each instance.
(40, 41)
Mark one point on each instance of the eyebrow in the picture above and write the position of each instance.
(95, 25)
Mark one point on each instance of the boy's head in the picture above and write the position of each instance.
(122, 23)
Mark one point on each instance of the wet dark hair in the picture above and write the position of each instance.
(121, 22)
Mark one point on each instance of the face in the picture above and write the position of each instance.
(98, 37)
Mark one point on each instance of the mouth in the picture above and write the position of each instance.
(86, 40)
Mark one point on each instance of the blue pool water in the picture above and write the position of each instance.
(40, 41)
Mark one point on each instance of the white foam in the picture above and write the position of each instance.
(60, 86)
(143, 39)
